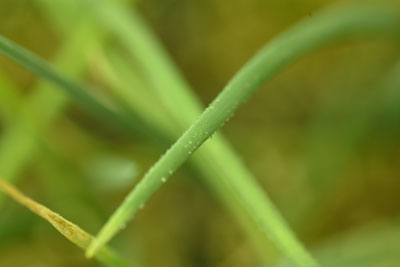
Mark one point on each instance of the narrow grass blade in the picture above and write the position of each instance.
(302, 38)
(190, 107)
(213, 161)
(81, 94)
(220, 112)
(71, 231)
(18, 140)
(130, 87)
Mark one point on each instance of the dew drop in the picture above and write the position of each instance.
(141, 206)
(163, 179)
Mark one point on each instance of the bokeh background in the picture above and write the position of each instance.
(322, 138)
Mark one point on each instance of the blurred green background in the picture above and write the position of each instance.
(321, 137)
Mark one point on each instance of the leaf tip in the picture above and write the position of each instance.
(92, 249)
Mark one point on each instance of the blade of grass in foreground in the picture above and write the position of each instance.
(215, 162)
(268, 62)
(304, 37)
(71, 231)
(215, 177)
(214, 173)
(211, 162)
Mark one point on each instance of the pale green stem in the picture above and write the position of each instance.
(302, 38)
(268, 62)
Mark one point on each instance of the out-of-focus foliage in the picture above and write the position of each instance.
(322, 138)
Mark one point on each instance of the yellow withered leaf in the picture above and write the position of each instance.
(68, 229)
